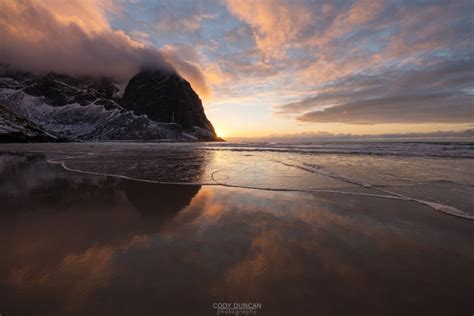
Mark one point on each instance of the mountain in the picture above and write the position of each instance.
(156, 105)
(167, 98)
(14, 128)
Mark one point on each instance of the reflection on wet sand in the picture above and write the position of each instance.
(80, 244)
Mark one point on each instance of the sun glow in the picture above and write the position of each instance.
(221, 133)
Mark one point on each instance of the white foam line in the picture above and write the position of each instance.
(216, 183)
(63, 164)
(437, 206)
(445, 209)
(301, 190)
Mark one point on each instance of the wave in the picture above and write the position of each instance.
(437, 206)
(445, 150)
(446, 209)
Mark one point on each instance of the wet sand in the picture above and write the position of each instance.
(74, 243)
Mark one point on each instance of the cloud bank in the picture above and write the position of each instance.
(440, 93)
(366, 62)
(74, 37)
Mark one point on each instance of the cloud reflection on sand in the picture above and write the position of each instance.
(77, 243)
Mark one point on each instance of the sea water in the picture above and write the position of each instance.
(437, 174)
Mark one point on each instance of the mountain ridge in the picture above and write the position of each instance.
(14, 128)
(84, 109)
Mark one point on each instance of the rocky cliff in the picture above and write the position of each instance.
(167, 98)
(156, 105)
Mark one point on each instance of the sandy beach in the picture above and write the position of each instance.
(75, 243)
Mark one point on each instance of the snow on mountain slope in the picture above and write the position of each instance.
(14, 128)
(84, 109)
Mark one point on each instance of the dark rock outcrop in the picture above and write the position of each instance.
(60, 90)
(168, 98)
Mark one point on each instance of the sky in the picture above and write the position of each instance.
(270, 66)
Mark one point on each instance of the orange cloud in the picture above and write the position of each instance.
(360, 13)
(186, 63)
(173, 23)
(275, 24)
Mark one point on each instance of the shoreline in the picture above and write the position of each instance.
(445, 209)
(127, 246)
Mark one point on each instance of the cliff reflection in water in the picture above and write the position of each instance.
(74, 243)
(61, 230)
(28, 182)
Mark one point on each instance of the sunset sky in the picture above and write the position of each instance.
(271, 66)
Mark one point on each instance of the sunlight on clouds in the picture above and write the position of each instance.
(76, 38)
(268, 66)
(275, 24)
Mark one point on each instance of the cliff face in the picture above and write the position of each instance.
(167, 98)
(155, 106)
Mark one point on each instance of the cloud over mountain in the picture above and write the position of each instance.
(308, 61)
(75, 37)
